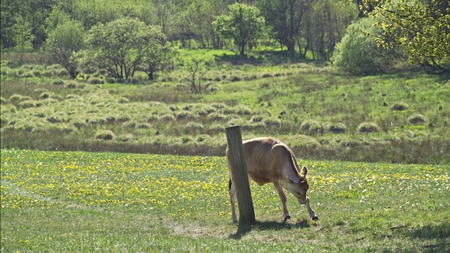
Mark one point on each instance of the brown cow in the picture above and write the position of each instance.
(270, 161)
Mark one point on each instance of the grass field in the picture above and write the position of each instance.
(111, 202)
(321, 113)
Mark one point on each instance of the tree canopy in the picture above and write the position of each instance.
(423, 27)
(243, 24)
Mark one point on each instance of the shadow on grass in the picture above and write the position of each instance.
(245, 228)
(429, 238)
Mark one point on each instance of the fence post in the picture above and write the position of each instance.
(240, 177)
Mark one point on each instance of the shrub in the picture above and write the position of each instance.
(216, 116)
(29, 104)
(399, 106)
(129, 124)
(266, 75)
(242, 110)
(143, 125)
(359, 54)
(272, 122)
(257, 118)
(182, 115)
(194, 126)
(153, 118)
(95, 80)
(72, 85)
(416, 119)
(368, 127)
(310, 126)
(338, 128)
(18, 98)
(167, 117)
(104, 135)
(58, 82)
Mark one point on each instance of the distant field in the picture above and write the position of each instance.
(112, 202)
(321, 113)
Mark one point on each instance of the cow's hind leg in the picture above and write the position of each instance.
(233, 200)
(283, 201)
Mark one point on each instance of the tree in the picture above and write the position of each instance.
(157, 54)
(423, 26)
(285, 18)
(197, 69)
(243, 24)
(22, 36)
(64, 42)
(118, 46)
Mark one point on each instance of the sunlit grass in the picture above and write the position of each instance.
(63, 199)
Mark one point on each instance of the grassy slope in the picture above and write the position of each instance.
(85, 202)
(41, 111)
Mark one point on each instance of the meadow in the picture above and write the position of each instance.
(116, 202)
(323, 114)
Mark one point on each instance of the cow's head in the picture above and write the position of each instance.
(299, 186)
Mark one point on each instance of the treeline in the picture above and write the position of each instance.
(416, 29)
(303, 26)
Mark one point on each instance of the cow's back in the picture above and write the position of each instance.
(263, 162)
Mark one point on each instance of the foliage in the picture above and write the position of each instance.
(423, 27)
(23, 36)
(118, 46)
(157, 54)
(64, 42)
(126, 45)
(359, 54)
(243, 24)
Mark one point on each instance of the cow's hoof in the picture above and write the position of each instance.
(287, 217)
(315, 218)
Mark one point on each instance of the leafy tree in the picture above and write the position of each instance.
(118, 46)
(157, 54)
(197, 68)
(326, 23)
(22, 36)
(423, 26)
(243, 24)
(358, 53)
(64, 42)
(285, 18)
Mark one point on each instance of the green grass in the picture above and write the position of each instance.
(112, 202)
(267, 94)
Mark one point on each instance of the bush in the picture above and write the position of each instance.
(338, 128)
(358, 53)
(95, 80)
(311, 126)
(416, 119)
(104, 135)
(399, 106)
(368, 127)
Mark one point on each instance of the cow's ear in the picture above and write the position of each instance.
(305, 171)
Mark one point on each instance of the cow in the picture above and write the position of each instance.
(269, 160)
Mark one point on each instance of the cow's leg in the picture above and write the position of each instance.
(233, 200)
(311, 212)
(283, 200)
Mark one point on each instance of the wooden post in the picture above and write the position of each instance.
(240, 177)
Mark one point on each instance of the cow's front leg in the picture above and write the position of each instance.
(311, 212)
(283, 200)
